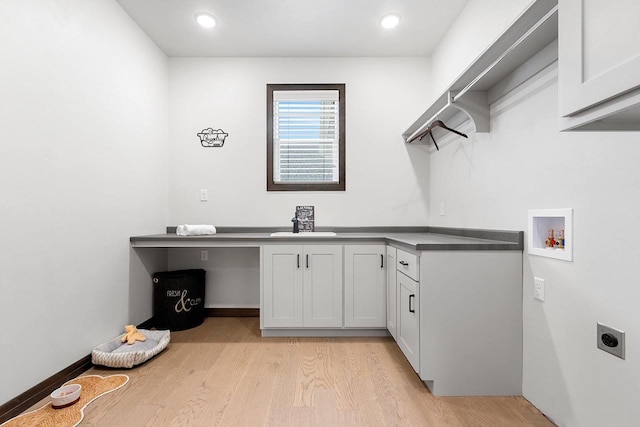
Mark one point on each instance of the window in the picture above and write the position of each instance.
(306, 137)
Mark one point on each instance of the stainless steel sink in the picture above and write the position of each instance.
(303, 234)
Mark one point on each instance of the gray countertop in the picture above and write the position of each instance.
(416, 238)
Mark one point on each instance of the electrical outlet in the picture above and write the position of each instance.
(441, 208)
(538, 288)
(204, 195)
(610, 340)
(204, 255)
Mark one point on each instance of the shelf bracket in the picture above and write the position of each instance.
(474, 104)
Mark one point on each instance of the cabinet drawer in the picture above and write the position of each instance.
(408, 263)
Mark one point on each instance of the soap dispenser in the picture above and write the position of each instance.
(295, 221)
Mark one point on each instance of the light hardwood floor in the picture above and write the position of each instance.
(224, 374)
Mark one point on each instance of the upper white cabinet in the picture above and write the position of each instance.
(599, 65)
(302, 286)
(365, 274)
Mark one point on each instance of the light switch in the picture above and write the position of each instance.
(538, 288)
(204, 255)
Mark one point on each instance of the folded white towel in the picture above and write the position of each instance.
(195, 230)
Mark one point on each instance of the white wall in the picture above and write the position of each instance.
(493, 179)
(386, 179)
(83, 139)
(478, 25)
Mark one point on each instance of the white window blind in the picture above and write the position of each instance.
(306, 136)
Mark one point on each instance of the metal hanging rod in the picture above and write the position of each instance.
(428, 122)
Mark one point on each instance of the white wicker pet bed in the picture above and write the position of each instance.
(116, 354)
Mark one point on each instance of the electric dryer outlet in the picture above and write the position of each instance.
(610, 340)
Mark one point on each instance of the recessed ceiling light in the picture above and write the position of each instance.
(206, 20)
(390, 21)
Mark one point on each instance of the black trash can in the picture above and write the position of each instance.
(178, 299)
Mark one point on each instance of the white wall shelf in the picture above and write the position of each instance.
(541, 221)
(524, 49)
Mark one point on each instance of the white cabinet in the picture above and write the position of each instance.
(471, 322)
(364, 286)
(408, 328)
(322, 290)
(282, 277)
(408, 306)
(392, 291)
(599, 65)
(302, 286)
(459, 319)
(408, 264)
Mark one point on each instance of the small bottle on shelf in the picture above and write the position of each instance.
(559, 239)
(550, 243)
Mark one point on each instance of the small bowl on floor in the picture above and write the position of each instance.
(65, 396)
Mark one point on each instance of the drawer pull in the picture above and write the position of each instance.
(404, 263)
(411, 298)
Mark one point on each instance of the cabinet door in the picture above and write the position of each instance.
(282, 286)
(598, 51)
(409, 320)
(391, 291)
(364, 286)
(322, 286)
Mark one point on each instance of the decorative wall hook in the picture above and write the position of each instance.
(212, 138)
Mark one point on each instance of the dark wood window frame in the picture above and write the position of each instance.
(334, 186)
